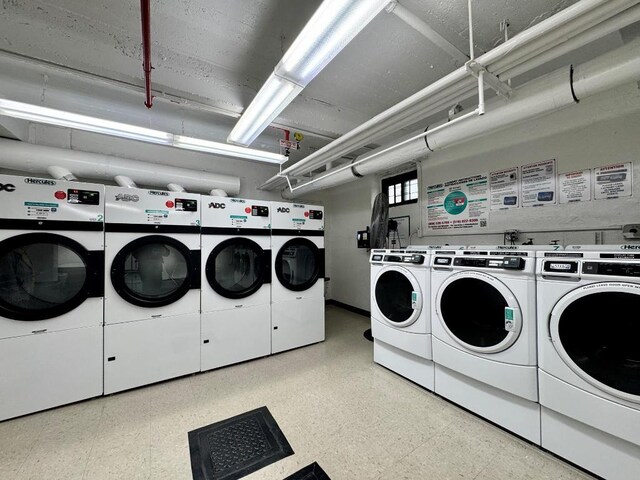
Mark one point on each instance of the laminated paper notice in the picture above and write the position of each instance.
(613, 181)
(539, 183)
(504, 189)
(574, 186)
(457, 204)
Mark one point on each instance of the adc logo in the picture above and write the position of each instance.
(39, 181)
(284, 210)
(126, 197)
(158, 192)
(7, 187)
(217, 205)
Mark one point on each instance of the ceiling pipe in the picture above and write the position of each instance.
(61, 173)
(124, 181)
(174, 187)
(533, 47)
(36, 159)
(145, 15)
(540, 97)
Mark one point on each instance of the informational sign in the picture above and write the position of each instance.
(289, 144)
(539, 183)
(403, 232)
(458, 204)
(613, 181)
(574, 186)
(504, 187)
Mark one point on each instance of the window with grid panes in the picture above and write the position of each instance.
(401, 189)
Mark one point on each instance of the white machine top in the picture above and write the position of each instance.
(236, 213)
(296, 216)
(399, 257)
(32, 198)
(151, 207)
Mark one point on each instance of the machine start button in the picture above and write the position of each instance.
(169, 204)
(60, 195)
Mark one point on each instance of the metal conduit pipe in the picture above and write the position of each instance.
(36, 159)
(570, 23)
(539, 97)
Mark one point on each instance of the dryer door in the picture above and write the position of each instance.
(479, 312)
(398, 296)
(299, 264)
(44, 275)
(154, 271)
(595, 330)
(238, 267)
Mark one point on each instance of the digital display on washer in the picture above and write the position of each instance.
(259, 211)
(442, 261)
(315, 214)
(83, 197)
(186, 205)
(560, 267)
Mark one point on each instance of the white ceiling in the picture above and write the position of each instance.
(219, 52)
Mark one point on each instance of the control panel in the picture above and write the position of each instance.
(83, 197)
(186, 205)
(259, 211)
(612, 269)
(315, 215)
(414, 259)
(507, 263)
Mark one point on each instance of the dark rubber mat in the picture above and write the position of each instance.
(235, 447)
(310, 472)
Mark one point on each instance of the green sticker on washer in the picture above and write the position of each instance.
(414, 296)
(508, 313)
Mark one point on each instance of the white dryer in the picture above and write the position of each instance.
(588, 343)
(51, 293)
(297, 290)
(152, 286)
(484, 334)
(400, 316)
(236, 290)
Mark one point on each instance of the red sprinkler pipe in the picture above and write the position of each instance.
(145, 13)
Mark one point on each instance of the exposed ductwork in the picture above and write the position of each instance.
(124, 181)
(573, 27)
(174, 187)
(537, 98)
(61, 173)
(37, 159)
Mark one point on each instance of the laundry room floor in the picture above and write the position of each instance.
(335, 406)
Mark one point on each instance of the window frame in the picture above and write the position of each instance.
(401, 179)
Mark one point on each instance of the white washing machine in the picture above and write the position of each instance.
(400, 316)
(51, 293)
(297, 289)
(236, 290)
(484, 334)
(589, 357)
(152, 286)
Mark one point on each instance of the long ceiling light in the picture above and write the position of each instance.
(61, 118)
(330, 29)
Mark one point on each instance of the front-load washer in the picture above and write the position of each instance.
(589, 358)
(297, 289)
(400, 316)
(484, 334)
(152, 286)
(236, 284)
(51, 293)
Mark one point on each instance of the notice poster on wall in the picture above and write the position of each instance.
(574, 186)
(504, 187)
(539, 183)
(458, 204)
(613, 181)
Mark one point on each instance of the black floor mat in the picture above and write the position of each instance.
(310, 472)
(235, 447)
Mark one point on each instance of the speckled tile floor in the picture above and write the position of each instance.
(336, 407)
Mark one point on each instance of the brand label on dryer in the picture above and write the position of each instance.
(509, 323)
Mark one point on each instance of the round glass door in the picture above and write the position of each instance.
(298, 264)
(472, 308)
(595, 329)
(42, 276)
(398, 296)
(152, 271)
(237, 268)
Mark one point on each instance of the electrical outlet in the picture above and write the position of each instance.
(631, 231)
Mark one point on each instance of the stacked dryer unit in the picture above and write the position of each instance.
(484, 334)
(236, 290)
(51, 293)
(297, 289)
(152, 286)
(589, 349)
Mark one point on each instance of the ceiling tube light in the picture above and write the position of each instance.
(60, 118)
(330, 29)
(208, 146)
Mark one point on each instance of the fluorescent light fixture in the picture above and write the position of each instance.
(60, 118)
(330, 29)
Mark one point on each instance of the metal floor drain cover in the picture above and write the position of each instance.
(310, 472)
(235, 447)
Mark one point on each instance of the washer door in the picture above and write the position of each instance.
(44, 275)
(238, 267)
(154, 271)
(479, 312)
(595, 330)
(299, 264)
(398, 296)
